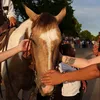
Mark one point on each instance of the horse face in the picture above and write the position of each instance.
(46, 38)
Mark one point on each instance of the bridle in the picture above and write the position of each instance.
(51, 97)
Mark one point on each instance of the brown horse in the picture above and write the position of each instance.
(45, 36)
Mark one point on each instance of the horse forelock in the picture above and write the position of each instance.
(45, 22)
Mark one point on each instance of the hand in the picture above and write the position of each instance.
(84, 86)
(52, 77)
(12, 21)
(23, 45)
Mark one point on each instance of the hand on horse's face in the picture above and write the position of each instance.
(24, 45)
(52, 77)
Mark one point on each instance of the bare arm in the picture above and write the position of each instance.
(80, 62)
(6, 54)
(87, 73)
(21, 47)
(52, 76)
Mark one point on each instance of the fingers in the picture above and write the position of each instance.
(26, 40)
(47, 77)
(51, 71)
(23, 45)
(10, 24)
(48, 73)
(46, 81)
(12, 21)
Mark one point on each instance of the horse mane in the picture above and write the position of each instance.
(45, 22)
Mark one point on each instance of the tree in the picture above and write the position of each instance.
(86, 35)
(77, 26)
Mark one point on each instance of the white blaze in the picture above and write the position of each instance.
(49, 36)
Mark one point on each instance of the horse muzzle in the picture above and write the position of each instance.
(46, 89)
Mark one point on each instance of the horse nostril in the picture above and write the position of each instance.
(43, 85)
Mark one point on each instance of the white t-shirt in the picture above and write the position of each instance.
(69, 88)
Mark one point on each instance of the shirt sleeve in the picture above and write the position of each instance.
(66, 68)
(11, 10)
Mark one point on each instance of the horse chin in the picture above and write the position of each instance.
(46, 89)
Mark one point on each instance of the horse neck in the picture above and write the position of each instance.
(19, 33)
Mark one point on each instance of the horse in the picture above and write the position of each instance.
(45, 36)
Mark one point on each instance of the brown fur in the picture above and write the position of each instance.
(45, 22)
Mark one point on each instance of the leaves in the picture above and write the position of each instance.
(86, 35)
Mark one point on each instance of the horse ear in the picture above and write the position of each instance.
(61, 15)
(32, 15)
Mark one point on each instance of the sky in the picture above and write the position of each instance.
(87, 13)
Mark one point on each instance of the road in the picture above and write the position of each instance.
(93, 89)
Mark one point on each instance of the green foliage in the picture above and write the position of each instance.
(39, 6)
(96, 37)
(86, 35)
(77, 25)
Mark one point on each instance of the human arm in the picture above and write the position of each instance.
(53, 77)
(21, 47)
(80, 62)
(84, 86)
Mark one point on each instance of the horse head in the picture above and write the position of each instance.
(46, 37)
